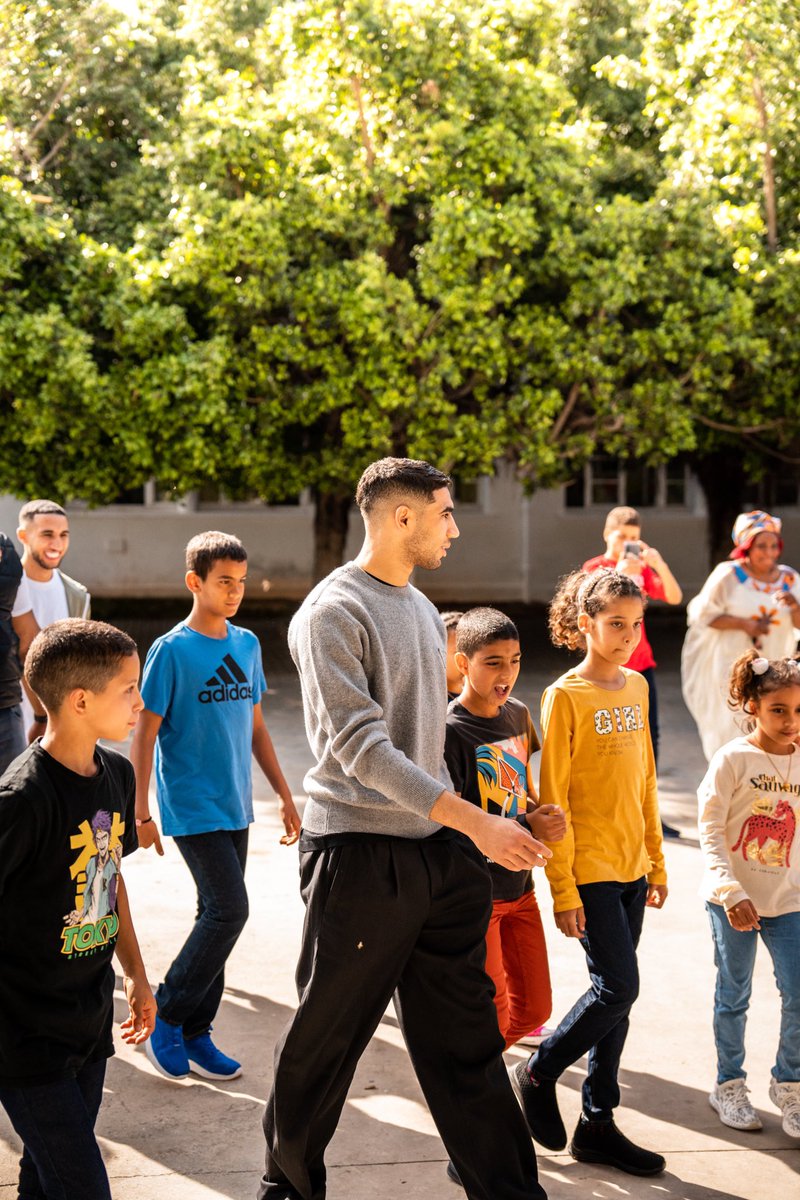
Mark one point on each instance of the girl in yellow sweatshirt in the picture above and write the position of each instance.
(597, 764)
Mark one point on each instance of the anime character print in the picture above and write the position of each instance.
(502, 775)
(93, 921)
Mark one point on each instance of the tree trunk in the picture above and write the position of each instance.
(723, 481)
(331, 521)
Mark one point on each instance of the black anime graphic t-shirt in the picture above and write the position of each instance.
(62, 837)
(487, 758)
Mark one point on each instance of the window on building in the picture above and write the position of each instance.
(466, 491)
(779, 489)
(606, 482)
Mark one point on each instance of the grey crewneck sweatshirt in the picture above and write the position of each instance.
(372, 663)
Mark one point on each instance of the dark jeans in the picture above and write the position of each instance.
(598, 1023)
(650, 675)
(12, 735)
(60, 1159)
(384, 916)
(192, 990)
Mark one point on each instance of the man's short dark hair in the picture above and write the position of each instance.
(205, 549)
(394, 478)
(39, 508)
(75, 654)
(480, 627)
(451, 619)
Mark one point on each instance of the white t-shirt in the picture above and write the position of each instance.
(22, 603)
(49, 603)
(48, 600)
(749, 808)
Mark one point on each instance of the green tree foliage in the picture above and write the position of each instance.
(260, 243)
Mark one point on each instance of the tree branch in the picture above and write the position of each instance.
(566, 412)
(744, 430)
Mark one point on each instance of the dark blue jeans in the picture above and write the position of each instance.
(650, 675)
(60, 1159)
(598, 1023)
(192, 990)
(12, 735)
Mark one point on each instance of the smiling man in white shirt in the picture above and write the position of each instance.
(44, 534)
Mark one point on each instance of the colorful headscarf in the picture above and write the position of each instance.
(748, 526)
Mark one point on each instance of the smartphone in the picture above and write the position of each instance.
(632, 550)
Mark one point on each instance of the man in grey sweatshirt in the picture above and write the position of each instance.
(393, 864)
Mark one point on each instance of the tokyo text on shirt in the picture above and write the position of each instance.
(62, 836)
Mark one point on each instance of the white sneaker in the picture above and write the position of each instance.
(729, 1099)
(787, 1098)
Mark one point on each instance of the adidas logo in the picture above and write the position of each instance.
(229, 683)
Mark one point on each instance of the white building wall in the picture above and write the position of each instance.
(511, 549)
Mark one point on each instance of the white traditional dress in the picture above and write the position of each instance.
(708, 654)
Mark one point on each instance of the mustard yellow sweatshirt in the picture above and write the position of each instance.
(597, 763)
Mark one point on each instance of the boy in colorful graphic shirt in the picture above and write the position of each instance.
(66, 820)
(202, 690)
(489, 742)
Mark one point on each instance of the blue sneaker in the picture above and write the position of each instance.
(206, 1060)
(166, 1051)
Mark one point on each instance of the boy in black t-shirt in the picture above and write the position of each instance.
(489, 742)
(66, 820)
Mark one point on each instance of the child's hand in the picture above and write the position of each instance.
(547, 822)
(148, 835)
(743, 916)
(571, 922)
(291, 820)
(141, 1019)
(656, 895)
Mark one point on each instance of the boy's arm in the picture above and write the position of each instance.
(141, 1019)
(672, 589)
(267, 759)
(142, 747)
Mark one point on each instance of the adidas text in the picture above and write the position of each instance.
(231, 691)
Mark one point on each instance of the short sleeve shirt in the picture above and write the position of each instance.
(204, 690)
(487, 758)
(62, 836)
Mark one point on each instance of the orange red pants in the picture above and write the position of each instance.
(516, 960)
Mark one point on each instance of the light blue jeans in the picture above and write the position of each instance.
(735, 956)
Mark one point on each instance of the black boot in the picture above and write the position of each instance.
(537, 1098)
(602, 1142)
(452, 1174)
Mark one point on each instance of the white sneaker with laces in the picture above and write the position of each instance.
(730, 1100)
(787, 1098)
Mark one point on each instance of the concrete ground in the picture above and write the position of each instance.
(197, 1140)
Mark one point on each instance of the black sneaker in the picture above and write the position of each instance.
(537, 1098)
(453, 1175)
(669, 831)
(602, 1142)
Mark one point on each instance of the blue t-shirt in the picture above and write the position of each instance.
(204, 689)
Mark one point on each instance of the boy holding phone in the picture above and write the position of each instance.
(628, 554)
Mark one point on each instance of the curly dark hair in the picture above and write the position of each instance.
(588, 592)
(746, 686)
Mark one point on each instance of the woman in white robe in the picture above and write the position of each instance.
(752, 600)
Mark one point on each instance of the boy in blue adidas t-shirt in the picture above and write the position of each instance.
(202, 689)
